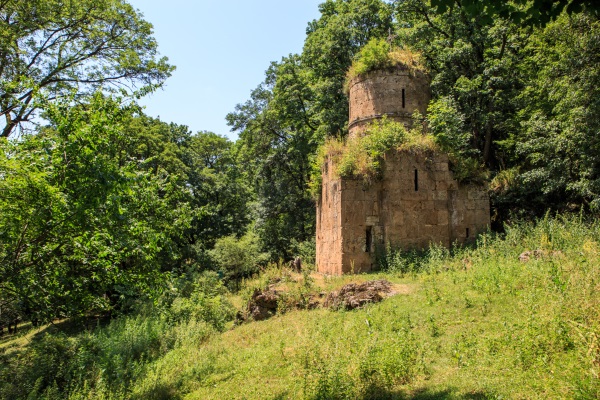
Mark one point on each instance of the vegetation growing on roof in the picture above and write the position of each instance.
(378, 54)
(362, 157)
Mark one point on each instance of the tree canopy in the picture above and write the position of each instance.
(52, 48)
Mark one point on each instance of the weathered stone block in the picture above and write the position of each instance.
(440, 195)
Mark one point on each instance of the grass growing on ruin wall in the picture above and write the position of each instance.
(378, 54)
(362, 157)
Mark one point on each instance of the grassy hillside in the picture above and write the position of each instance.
(479, 323)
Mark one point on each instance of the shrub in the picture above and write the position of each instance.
(238, 258)
(362, 157)
(378, 54)
(207, 302)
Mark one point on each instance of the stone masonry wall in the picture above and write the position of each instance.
(379, 93)
(416, 203)
(329, 224)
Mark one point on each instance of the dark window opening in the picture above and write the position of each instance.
(369, 239)
(467, 233)
(403, 98)
(416, 180)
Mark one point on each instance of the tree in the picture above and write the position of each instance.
(219, 194)
(300, 103)
(276, 143)
(82, 225)
(474, 68)
(559, 143)
(51, 48)
(537, 12)
(331, 43)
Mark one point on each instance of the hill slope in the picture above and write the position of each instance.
(481, 323)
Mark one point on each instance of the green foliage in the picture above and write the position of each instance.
(363, 156)
(307, 251)
(82, 227)
(207, 302)
(300, 103)
(475, 71)
(512, 97)
(276, 141)
(559, 139)
(105, 362)
(378, 54)
(538, 13)
(374, 55)
(380, 362)
(220, 194)
(238, 258)
(52, 49)
(332, 41)
(476, 310)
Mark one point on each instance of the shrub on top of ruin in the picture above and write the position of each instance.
(362, 156)
(378, 54)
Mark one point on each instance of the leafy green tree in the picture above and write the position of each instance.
(276, 143)
(331, 43)
(474, 67)
(219, 195)
(538, 12)
(51, 48)
(518, 98)
(204, 168)
(82, 226)
(238, 258)
(300, 103)
(559, 143)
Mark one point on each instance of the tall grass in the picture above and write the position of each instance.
(472, 322)
(105, 361)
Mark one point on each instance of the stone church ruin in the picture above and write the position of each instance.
(416, 201)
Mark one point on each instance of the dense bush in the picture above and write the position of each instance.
(83, 227)
(238, 258)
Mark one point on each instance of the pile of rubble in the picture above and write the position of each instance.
(356, 295)
(264, 304)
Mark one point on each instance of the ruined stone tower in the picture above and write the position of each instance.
(396, 94)
(416, 202)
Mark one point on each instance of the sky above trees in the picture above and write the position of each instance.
(221, 51)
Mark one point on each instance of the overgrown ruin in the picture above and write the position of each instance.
(416, 201)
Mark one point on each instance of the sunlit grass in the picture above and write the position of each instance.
(470, 323)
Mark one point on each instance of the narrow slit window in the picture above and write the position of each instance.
(416, 180)
(467, 233)
(369, 239)
(403, 98)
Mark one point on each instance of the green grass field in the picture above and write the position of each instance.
(474, 323)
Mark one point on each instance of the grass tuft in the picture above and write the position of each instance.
(378, 54)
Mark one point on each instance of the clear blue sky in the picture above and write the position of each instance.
(221, 50)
